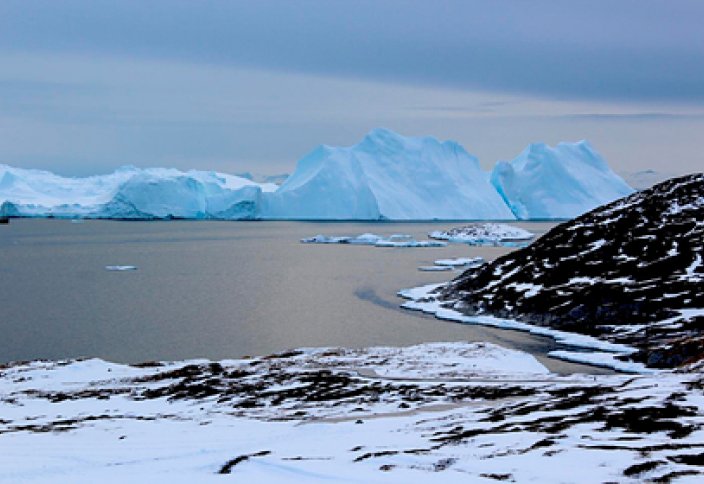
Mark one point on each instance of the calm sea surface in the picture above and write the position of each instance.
(219, 290)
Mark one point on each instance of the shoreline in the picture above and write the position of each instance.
(590, 351)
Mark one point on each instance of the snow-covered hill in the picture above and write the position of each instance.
(388, 176)
(561, 182)
(630, 272)
(432, 413)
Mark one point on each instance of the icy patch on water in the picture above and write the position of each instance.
(396, 240)
(484, 234)
(460, 262)
(435, 268)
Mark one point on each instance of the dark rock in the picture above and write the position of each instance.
(613, 273)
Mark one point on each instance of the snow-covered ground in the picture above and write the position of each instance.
(437, 412)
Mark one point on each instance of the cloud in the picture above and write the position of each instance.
(596, 49)
(634, 116)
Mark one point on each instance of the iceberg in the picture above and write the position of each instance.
(130, 193)
(396, 240)
(387, 176)
(557, 183)
(483, 234)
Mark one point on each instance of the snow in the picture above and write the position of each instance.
(420, 292)
(395, 240)
(453, 361)
(557, 183)
(601, 358)
(434, 268)
(435, 413)
(424, 299)
(693, 272)
(483, 234)
(388, 176)
(528, 289)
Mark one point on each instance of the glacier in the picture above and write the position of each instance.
(557, 183)
(386, 176)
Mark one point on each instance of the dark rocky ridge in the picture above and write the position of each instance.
(629, 272)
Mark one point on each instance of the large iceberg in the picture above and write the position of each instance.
(555, 183)
(384, 177)
(388, 176)
(130, 193)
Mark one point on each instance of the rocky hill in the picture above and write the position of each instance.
(629, 272)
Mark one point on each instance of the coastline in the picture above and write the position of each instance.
(589, 350)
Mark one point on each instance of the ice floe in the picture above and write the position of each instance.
(484, 234)
(460, 262)
(396, 240)
(120, 268)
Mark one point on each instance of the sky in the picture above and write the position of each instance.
(89, 85)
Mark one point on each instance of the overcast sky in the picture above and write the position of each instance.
(89, 85)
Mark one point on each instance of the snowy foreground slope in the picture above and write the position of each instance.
(561, 182)
(385, 176)
(442, 412)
